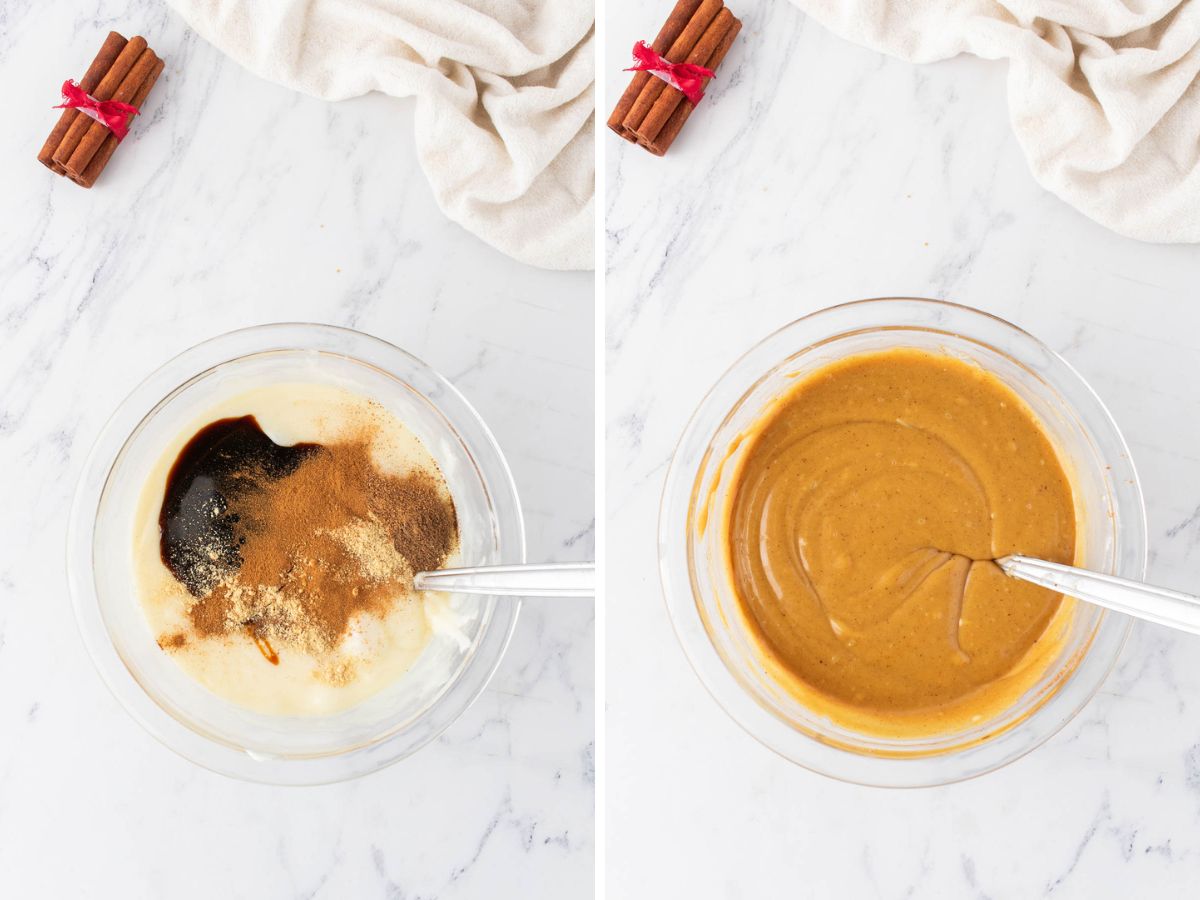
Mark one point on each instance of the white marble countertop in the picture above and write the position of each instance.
(818, 172)
(235, 202)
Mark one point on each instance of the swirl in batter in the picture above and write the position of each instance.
(864, 516)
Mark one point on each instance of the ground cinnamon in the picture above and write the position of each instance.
(333, 539)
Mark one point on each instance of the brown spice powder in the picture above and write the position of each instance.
(173, 641)
(333, 539)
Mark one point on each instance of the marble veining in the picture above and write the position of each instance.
(817, 172)
(235, 202)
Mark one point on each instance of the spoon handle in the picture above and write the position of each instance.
(545, 580)
(1174, 609)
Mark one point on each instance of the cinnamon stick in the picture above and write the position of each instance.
(104, 91)
(88, 177)
(709, 52)
(97, 132)
(679, 51)
(109, 51)
(667, 35)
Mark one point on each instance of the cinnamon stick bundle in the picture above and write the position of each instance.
(109, 51)
(79, 147)
(651, 113)
(90, 172)
(667, 35)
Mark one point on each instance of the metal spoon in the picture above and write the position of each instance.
(1162, 606)
(545, 580)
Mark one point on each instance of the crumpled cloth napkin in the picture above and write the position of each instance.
(504, 115)
(1103, 94)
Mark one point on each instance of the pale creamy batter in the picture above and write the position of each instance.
(377, 650)
(862, 524)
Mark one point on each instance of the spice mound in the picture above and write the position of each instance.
(295, 545)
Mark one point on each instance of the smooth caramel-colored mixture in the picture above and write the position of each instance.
(865, 515)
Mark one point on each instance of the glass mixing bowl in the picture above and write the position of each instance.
(1111, 527)
(177, 710)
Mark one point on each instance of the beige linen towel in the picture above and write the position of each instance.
(1103, 94)
(504, 111)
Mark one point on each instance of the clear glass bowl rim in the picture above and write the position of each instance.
(139, 403)
(881, 313)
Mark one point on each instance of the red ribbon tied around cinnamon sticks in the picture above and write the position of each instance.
(113, 115)
(687, 78)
